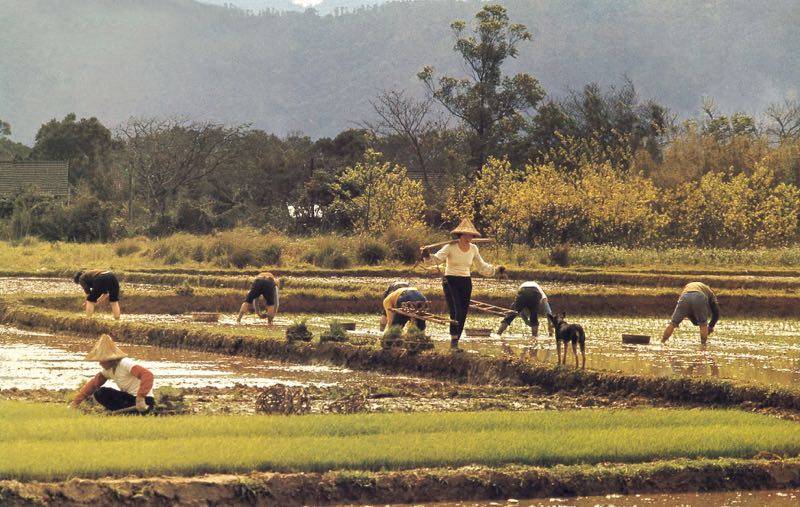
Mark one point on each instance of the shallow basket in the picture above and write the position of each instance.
(635, 339)
(478, 331)
(204, 316)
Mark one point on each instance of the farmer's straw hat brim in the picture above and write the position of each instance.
(105, 350)
(466, 227)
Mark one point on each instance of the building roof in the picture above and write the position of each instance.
(43, 177)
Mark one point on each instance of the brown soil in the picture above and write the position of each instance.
(631, 305)
(395, 395)
(413, 486)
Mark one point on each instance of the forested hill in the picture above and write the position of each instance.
(300, 71)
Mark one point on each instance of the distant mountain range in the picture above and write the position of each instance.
(300, 71)
(321, 6)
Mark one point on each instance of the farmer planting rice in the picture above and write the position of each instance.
(394, 300)
(265, 285)
(98, 284)
(135, 382)
(529, 301)
(696, 302)
(459, 256)
(397, 284)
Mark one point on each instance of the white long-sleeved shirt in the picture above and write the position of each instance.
(459, 263)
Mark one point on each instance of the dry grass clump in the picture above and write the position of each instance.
(237, 248)
(404, 243)
(327, 252)
(129, 246)
(370, 251)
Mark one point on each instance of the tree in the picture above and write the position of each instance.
(602, 125)
(84, 144)
(490, 105)
(375, 195)
(784, 120)
(165, 157)
(409, 119)
(5, 128)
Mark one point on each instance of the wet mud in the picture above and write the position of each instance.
(42, 367)
(469, 485)
(780, 498)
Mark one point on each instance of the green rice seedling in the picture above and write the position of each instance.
(47, 442)
(298, 331)
(336, 333)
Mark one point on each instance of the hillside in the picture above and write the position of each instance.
(301, 71)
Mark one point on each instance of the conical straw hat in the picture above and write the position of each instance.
(466, 227)
(105, 350)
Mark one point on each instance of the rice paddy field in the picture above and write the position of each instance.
(404, 422)
(48, 442)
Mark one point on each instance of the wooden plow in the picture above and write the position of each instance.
(421, 310)
(486, 307)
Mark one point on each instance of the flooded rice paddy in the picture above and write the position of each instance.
(53, 286)
(778, 498)
(433, 281)
(760, 350)
(47, 368)
(31, 360)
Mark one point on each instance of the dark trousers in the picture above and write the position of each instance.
(400, 320)
(113, 399)
(457, 292)
(527, 300)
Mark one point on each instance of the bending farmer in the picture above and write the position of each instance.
(530, 299)
(264, 285)
(135, 382)
(459, 257)
(397, 284)
(98, 285)
(395, 300)
(696, 302)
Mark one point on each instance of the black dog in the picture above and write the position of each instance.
(567, 333)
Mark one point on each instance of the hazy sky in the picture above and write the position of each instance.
(256, 5)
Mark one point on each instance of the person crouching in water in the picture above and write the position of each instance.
(99, 284)
(264, 285)
(459, 257)
(395, 300)
(529, 301)
(696, 302)
(135, 382)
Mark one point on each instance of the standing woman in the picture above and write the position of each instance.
(459, 257)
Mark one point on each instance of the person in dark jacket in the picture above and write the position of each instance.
(99, 285)
(265, 285)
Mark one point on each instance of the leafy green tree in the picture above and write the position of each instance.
(375, 195)
(5, 128)
(490, 105)
(85, 144)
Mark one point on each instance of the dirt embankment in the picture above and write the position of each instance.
(610, 303)
(459, 367)
(413, 486)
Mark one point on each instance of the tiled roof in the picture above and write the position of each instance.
(44, 177)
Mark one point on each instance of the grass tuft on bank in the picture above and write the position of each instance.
(48, 442)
